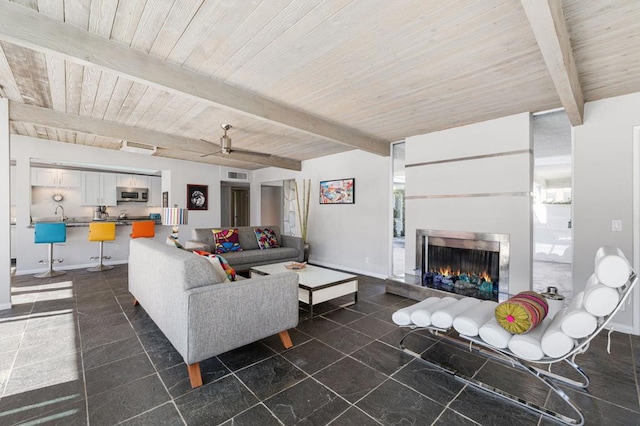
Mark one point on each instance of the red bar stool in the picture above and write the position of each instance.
(145, 229)
(101, 232)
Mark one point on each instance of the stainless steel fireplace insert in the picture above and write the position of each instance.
(467, 263)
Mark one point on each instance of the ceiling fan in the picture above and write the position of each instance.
(225, 146)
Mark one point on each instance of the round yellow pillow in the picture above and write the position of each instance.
(522, 312)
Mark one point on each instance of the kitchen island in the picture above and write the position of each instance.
(73, 222)
(77, 250)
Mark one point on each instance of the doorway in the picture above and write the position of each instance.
(271, 203)
(239, 207)
(552, 206)
(234, 205)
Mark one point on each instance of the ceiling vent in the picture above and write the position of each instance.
(138, 148)
(237, 175)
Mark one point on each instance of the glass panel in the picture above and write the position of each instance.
(398, 184)
(552, 185)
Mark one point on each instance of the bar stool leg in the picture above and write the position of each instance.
(100, 266)
(50, 273)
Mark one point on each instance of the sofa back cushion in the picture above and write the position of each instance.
(183, 268)
(246, 236)
(204, 235)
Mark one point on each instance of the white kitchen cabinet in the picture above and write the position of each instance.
(57, 178)
(132, 181)
(155, 191)
(99, 189)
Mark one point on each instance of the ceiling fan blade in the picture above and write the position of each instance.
(254, 153)
(214, 146)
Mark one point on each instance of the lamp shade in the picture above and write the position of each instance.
(174, 216)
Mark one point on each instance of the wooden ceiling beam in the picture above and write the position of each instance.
(19, 112)
(27, 28)
(550, 30)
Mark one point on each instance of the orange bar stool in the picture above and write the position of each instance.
(101, 232)
(50, 233)
(145, 229)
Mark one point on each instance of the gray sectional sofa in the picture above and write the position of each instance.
(291, 248)
(200, 316)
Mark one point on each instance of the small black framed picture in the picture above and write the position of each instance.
(165, 199)
(197, 197)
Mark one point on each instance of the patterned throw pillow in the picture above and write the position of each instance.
(173, 242)
(227, 240)
(225, 268)
(266, 238)
(522, 312)
(231, 273)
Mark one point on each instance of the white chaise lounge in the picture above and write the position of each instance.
(557, 339)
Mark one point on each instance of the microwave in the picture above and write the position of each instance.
(140, 195)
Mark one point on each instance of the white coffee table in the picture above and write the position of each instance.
(316, 284)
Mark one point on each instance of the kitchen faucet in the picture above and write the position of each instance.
(56, 212)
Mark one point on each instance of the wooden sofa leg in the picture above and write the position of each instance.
(135, 302)
(285, 339)
(195, 377)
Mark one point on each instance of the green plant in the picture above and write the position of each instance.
(303, 215)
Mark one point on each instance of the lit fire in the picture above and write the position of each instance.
(450, 272)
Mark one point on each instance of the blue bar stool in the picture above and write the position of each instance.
(101, 231)
(50, 233)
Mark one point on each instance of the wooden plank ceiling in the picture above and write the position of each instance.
(304, 78)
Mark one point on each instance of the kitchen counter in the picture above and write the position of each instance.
(85, 221)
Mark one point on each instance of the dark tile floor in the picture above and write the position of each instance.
(74, 350)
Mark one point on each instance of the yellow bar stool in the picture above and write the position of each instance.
(49, 233)
(101, 232)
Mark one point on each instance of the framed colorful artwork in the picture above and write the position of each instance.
(339, 191)
(197, 197)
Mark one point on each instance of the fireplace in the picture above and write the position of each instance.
(465, 263)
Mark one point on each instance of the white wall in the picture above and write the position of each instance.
(603, 185)
(5, 208)
(350, 237)
(176, 175)
(271, 205)
(490, 194)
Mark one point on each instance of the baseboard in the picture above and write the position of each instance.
(348, 269)
(621, 328)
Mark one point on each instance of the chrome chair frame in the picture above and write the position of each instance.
(549, 379)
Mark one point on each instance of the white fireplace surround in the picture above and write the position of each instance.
(467, 240)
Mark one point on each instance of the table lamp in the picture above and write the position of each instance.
(174, 216)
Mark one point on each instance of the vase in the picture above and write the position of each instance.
(306, 252)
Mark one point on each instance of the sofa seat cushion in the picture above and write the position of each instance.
(273, 255)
